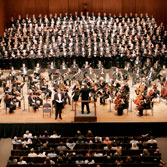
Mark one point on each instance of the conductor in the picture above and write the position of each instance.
(85, 96)
(59, 100)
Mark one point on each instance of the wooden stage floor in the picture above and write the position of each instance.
(103, 114)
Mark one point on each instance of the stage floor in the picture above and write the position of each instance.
(103, 114)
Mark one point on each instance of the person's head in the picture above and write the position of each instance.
(27, 132)
(58, 90)
(15, 138)
(21, 158)
(32, 150)
(89, 132)
(47, 160)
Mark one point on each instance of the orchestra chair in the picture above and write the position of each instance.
(150, 108)
(47, 109)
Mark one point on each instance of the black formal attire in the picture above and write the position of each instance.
(59, 101)
(85, 96)
(32, 102)
(10, 105)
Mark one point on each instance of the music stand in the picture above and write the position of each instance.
(23, 98)
(72, 109)
(110, 100)
(130, 110)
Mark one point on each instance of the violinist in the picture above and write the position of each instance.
(9, 103)
(151, 75)
(102, 83)
(45, 89)
(157, 68)
(74, 66)
(163, 74)
(99, 65)
(105, 95)
(32, 102)
(36, 94)
(63, 66)
(86, 65)
(15, 94)
(117, 74)
(147, 66)
(67, 78)
(90, 72)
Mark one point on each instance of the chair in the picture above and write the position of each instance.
(47, 109)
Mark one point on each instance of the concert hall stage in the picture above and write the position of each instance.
(107, 119)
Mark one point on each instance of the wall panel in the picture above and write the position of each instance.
(128, 6)
(81, 5)
(41, 8)
(112, 6)
(72, 6)
(2, 17)
(97, 6)
(58, 6)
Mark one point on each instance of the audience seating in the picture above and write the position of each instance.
(88, 144)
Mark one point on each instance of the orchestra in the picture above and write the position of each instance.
(103, 58)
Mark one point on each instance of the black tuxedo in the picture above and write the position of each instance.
(58, 104)
(32, 102)
(85, 96)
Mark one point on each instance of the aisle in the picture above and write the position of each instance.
(5, 151)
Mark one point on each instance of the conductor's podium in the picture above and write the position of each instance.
(79, 117)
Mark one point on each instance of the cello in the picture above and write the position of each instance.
(164, 90)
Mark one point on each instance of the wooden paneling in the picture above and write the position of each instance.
(81, 5)
(128, 6)
(41, 7)
(97, 6)
(58, 6)
(141, 6)
(112, 6)
(2, 16)
(72, 6)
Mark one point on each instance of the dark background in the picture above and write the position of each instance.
(99, 129)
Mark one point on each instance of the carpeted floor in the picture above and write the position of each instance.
(6, 146)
